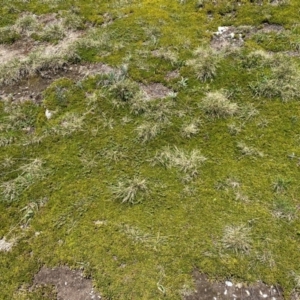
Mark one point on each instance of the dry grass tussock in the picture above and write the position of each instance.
(205, 63)
(217, 105)
(237, 239)
(187, 162)
(131, 191)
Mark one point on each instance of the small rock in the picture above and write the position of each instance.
(228, 283)
(48, 114)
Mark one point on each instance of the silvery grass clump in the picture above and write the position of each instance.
(237, 239)
(28, 174)
(147, 131)
(131, 191)
(283, 81)
(189, 129)
(185, 161)
(217, 105)
(27, 24)
(205, 63)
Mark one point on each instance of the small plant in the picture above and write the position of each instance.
(205, 63)
(12, 189)
(8, 35)
(190, 129)
(284, 209)
(185, 161)
(280, 184)
(237, 239)
(148, 131)
(52, 33)
(216, 105)
(248, 150)
(124, 90)
(73, 22)
(27, 24)
(131, 191)
(235, 129)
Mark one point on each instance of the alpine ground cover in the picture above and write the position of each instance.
(139, 191)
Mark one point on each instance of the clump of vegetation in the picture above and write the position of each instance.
(283, 208)
(187, 162)
(28, 174)
(237, 239)
(8, 35)
(190, 129)
(148, 131)
(248, 150)
(282, 83)
(217, 105)
(205, 63)
(131, 191)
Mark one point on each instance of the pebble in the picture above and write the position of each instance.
(228, 283)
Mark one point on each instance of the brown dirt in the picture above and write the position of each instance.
(229, 37)
(210, 290)
(172, 75)
(155, 91)
(32, 88)
(70, 284)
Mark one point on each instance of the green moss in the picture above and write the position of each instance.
(148, 250)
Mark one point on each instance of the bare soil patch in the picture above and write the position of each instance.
(172, 75)
(155, 91)
(226, 36)
(32, 88)
(233, 37)
(209, 290)
(70, 284)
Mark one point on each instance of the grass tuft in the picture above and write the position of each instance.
(237, 239)
(217, 105)
(131, 191)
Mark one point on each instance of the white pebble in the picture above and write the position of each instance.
(247, 292)
(225, 293)
(48, 114)
(228, 283)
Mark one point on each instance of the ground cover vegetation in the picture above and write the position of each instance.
(177, 149)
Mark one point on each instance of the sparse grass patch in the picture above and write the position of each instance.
(217, 105)
(248, 150)
(147, 131)
(187, 162)
(282, 83)
(284, 208)
(8, 35)
(205, 63)
(280, 184)
(28, 174)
